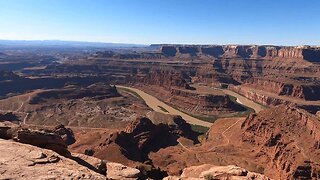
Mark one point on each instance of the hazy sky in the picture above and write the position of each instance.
(281, 22)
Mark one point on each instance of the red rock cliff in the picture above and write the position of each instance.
(308, 53)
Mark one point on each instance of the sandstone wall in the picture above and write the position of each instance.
(245, 51)
(285, 88)
(287, 140)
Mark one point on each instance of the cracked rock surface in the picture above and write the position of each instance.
(22, 161)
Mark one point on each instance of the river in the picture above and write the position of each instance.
(156, 105)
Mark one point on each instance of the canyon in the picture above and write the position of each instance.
(162, 111)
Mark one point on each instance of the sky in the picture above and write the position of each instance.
(277, 22)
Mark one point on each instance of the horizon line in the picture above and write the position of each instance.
(149, 44)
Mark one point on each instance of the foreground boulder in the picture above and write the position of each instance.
(43, 139)
(65, 133)
(57, 139)
(111, 170)
(210, 172)
(23, 161)
(6, 129)
(119, 171)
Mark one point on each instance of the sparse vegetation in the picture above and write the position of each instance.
(131, 92)
(210, 119)
(233, 99)
(199, 129)
(243, 113)
(163, 109)
(224, 86)
(208, 177)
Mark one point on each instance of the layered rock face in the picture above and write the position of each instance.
(298, 79)
(269, 99)
(285, 71)
(286, 87)
(207, 104)
(308, 53)
(263, 99)
(166, 79)
(172, 86)
(287, 139)
(128, 55)
(169, 50)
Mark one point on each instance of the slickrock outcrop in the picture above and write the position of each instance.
(208, 171)
(287, 139)
(69, 165)
(22, 161)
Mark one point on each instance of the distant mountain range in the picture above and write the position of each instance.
(67, 43)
